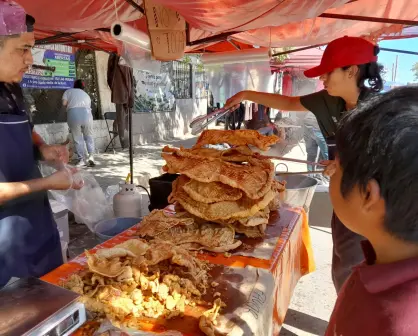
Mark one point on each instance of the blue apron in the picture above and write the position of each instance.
(29, 239)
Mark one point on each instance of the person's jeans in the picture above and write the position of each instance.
(268, 130)
(80, 122)
(314, 140)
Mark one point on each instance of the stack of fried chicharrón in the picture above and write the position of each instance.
(137, 280)
(235, 188)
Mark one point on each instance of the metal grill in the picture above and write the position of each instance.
(181, 76)
(202, 85)
(87, 72)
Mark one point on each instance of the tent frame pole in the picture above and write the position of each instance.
(136, 6)
(368, 19)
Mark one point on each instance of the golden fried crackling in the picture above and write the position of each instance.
(236, 138)
(245, 207)
(254, 178)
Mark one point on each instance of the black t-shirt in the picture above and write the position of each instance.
(11, 99)
(12, 102)
(327, 109)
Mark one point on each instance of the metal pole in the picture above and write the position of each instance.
(369, 19)
(131, 153)
(400, 51)
(50, 39)
(299, 49)
(136, 6)
(214, 38)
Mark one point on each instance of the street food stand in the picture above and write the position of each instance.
(219, 27)
(288, 258)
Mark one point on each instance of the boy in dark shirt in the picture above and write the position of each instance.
(374, 191)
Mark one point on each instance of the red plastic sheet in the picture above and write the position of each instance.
(323, 30)
(269, 23)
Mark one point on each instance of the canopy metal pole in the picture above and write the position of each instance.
(136, 6)
(368, 19)
(296, 50)
(210, 39)
(400, 51)
(131, 153)
(320, 45)
(50, 39)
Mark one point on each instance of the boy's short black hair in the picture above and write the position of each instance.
(379, 140)
(30, 23)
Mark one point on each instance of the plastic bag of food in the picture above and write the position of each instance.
(89, 204)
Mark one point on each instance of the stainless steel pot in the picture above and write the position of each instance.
(299, 190)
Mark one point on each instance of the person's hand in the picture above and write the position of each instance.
(55, 153)
(64, 180)
(234, 101)
(329, 167)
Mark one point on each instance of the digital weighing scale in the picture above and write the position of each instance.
(32, 307)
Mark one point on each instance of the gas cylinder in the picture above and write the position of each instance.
(127, 202)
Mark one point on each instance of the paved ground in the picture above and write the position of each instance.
(314, 296)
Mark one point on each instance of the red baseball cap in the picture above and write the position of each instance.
(342, 52)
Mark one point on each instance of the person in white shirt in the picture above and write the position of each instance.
(80, 121)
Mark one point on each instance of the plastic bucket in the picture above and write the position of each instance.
(299, 190)
(109, 228)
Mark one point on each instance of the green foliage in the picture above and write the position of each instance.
(280, 58)
(415, 71)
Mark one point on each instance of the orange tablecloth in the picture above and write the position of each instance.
(292, 258)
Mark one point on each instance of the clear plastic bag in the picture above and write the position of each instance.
(108, 329)
(89, 204)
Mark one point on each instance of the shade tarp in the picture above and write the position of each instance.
(268, 23)
(299, 60)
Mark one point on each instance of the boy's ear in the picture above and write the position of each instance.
(371, 196)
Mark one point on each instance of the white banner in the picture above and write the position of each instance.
(154, 92)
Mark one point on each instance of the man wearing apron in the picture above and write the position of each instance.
(346, 65)
(29, 239)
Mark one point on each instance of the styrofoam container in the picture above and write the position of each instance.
(64, 249)
(61, 218)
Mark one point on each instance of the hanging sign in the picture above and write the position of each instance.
(56, 68)
(167, 29)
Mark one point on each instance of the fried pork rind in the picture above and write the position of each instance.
(127, 289)
(250, 231)
(236, 154)
(236, 138)
(158, 222)
(211, 237)
(109, 266)
(75, 283)
(137, 247)
(245, 207)
(261, 217)
(207, 321)
(253, 178)
(211, 192)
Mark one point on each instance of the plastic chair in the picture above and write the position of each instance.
(112, 134)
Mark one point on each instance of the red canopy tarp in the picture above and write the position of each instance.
(268, 23)
(299, 60)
